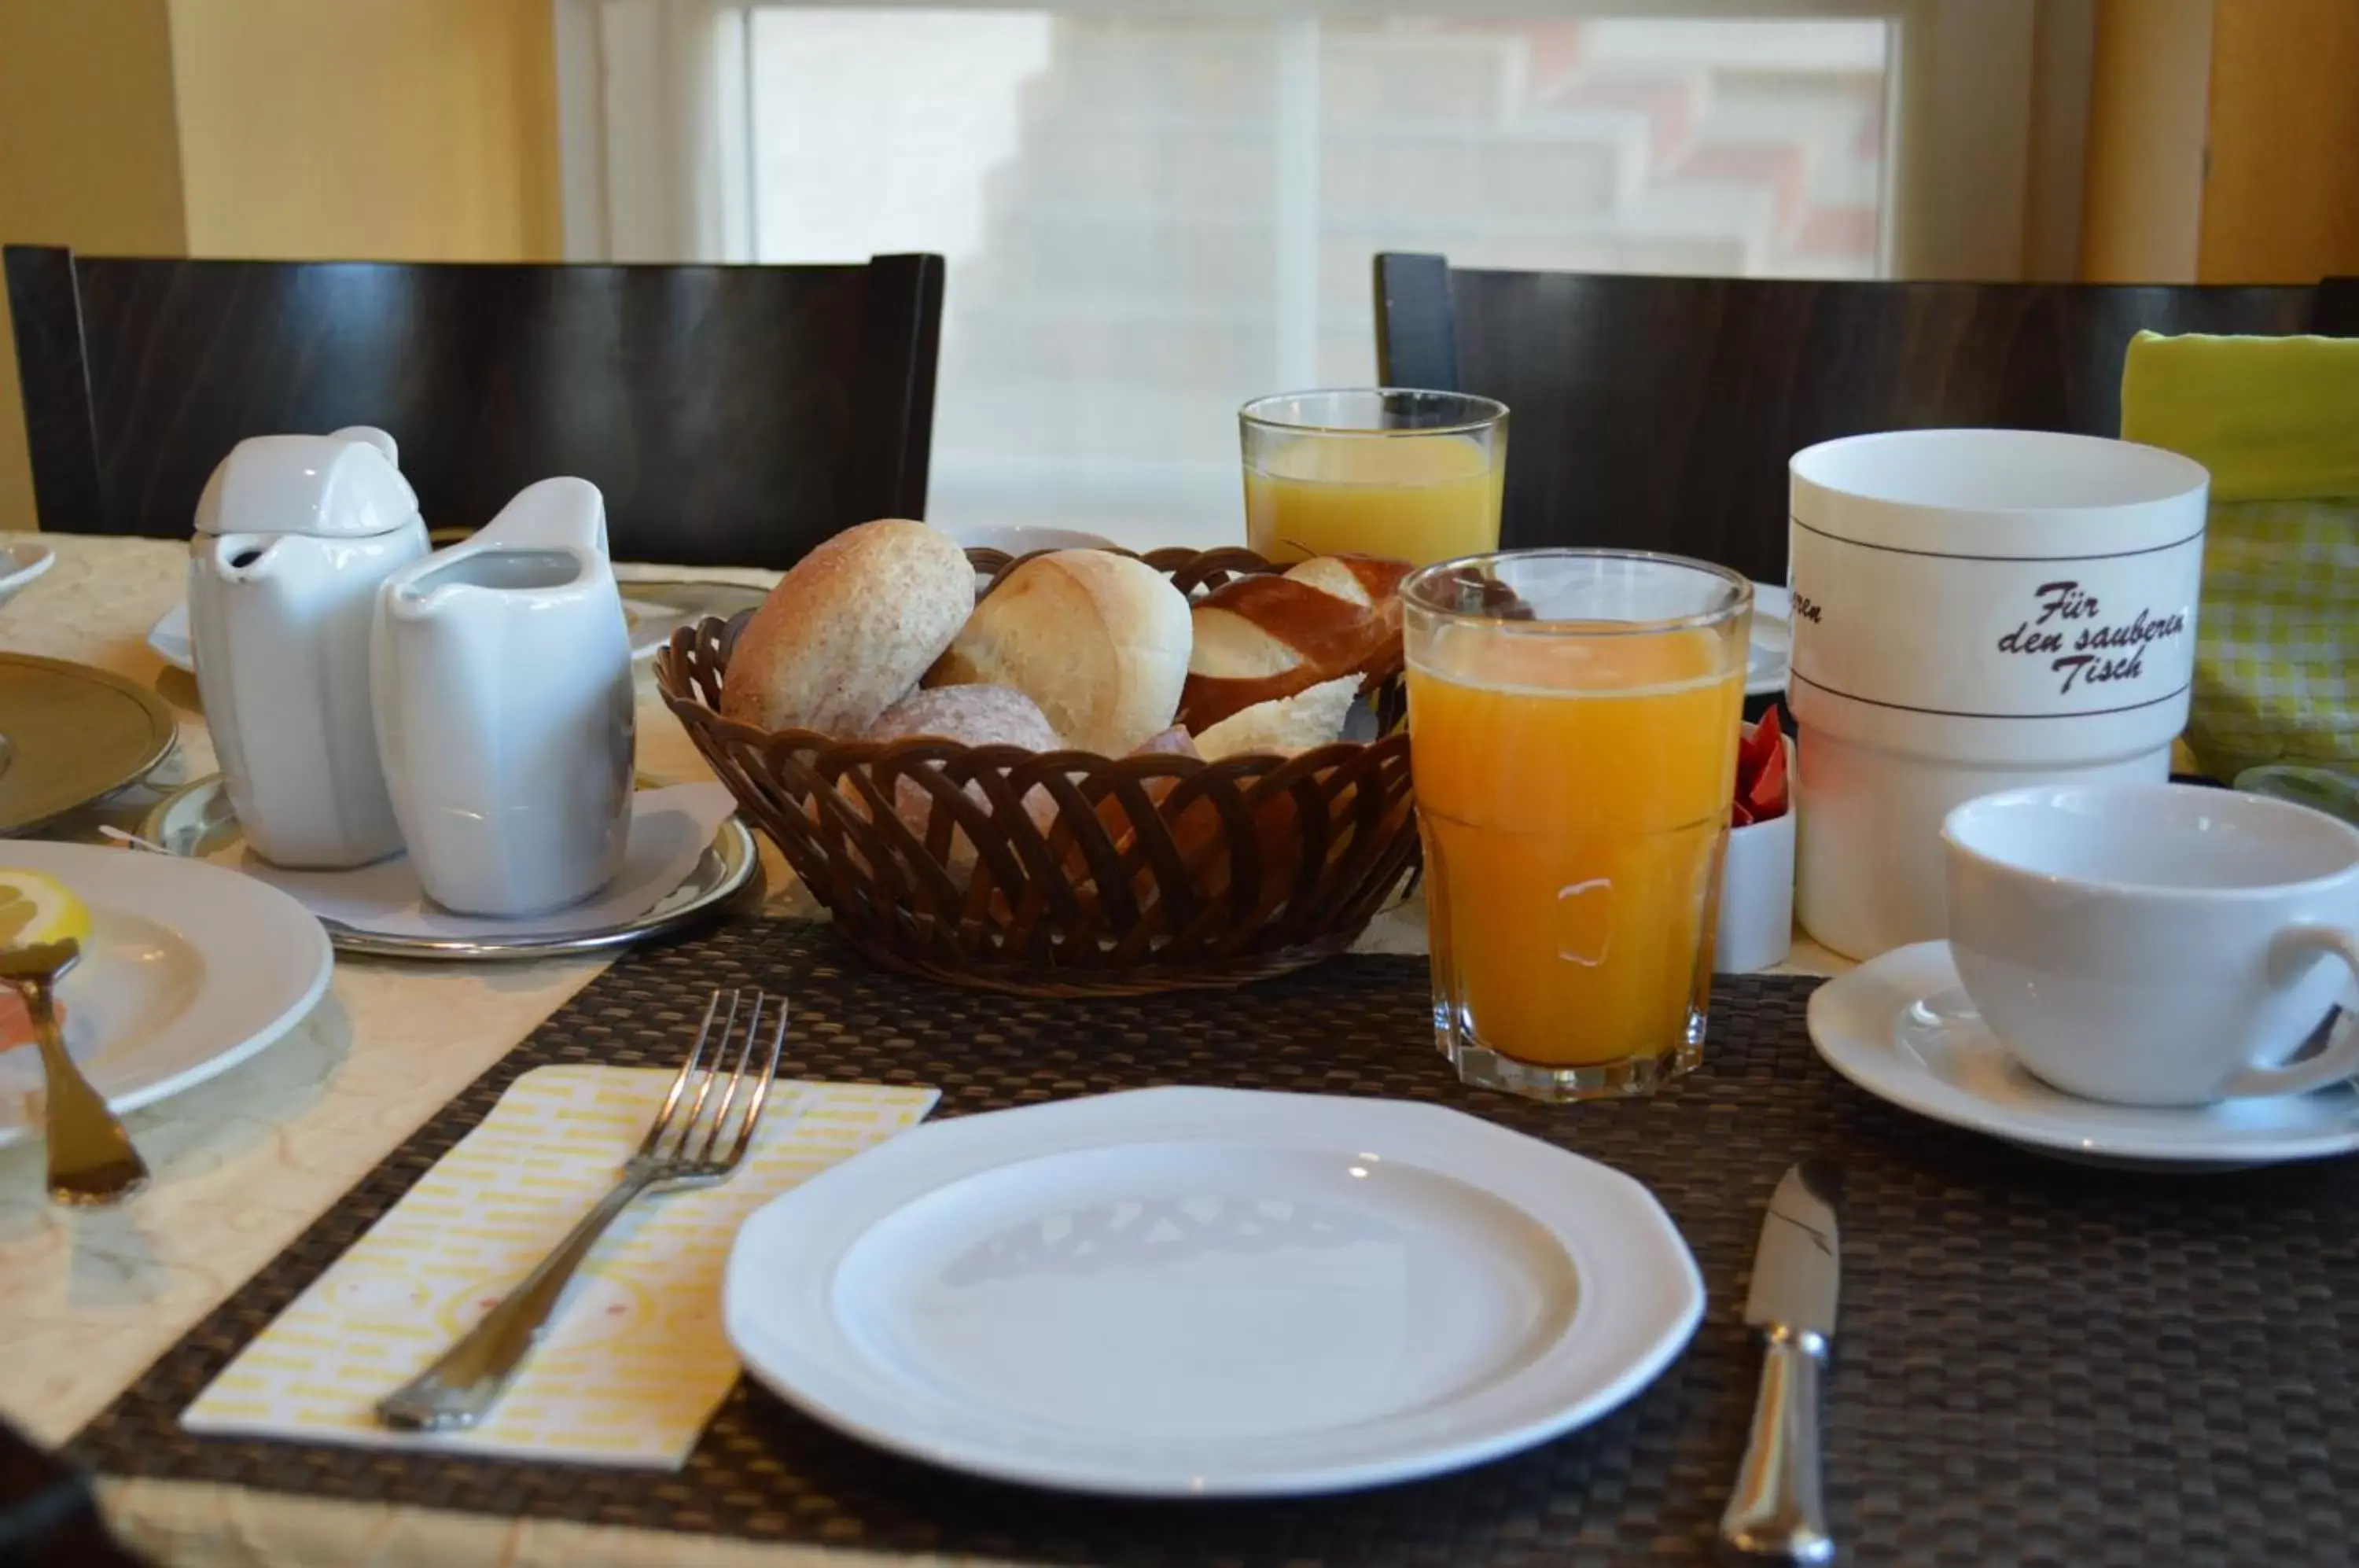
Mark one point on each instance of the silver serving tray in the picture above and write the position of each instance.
(196, 821)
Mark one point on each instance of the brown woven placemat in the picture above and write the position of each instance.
(2036, 1364)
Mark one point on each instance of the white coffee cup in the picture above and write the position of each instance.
(1974, 610)
(2156, 944)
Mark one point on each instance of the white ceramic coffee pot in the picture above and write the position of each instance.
(504, 706)
(294, 534)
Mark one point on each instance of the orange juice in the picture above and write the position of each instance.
(1415, 497)
(1573, 791)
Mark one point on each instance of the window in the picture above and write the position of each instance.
(1150, 218)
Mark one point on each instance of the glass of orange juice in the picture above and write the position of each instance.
(1572, 721)
(1380, 471)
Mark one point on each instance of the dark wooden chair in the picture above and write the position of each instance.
(731, 414)
(1659, 412)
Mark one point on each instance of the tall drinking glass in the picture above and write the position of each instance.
(1380, 471)
(1573, 724)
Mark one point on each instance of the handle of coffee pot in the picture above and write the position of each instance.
(2290, 956)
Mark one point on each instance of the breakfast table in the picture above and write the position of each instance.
(2033, 1353)
(244, 1162)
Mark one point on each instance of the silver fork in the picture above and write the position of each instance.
(92, 1159)
(683, 1148)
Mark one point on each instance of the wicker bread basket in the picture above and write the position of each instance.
(1068, 873)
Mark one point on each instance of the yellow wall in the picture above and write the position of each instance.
(2142, 190)
(2222, 135)
(2281, 194)
(87, 158)
(407, 130)
(389, 129)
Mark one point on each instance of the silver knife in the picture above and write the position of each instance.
(1776, 1512)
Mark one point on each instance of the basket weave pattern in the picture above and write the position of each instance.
(1069, 872)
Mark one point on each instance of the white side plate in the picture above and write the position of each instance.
(1209, 1292)
(20, 562)
(189, 970)
(1773, 640)
(1901, 1029)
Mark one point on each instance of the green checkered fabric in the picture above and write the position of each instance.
(2277, 643)
(2276, 423)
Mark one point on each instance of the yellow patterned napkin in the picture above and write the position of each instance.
(2276, 420)
(636, 1362)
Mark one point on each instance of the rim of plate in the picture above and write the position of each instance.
(1640, 1296)
(270, 922)
(1869, 1055)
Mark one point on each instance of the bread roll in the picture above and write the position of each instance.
(1308, 718)
(850, 630)
(972, 716)
(1261, 638)
(1173, 741)
(1371, 581)
(1100, 641)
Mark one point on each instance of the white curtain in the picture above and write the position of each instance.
(669, 173)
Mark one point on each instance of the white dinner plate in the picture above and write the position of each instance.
(1901, 1027)
(1211, 1292)
(189, 971)
(1773, 640)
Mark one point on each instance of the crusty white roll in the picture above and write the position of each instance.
(1100, 641)
(850, 630)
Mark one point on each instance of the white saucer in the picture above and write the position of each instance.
(1211, 1292)
(1900, 1028)
(189, 970)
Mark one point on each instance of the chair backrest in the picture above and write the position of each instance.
(1659, 412)
(729, 414)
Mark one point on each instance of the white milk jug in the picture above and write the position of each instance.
(294, 534)
(502, 669)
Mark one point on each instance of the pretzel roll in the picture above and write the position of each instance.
(1260, 638)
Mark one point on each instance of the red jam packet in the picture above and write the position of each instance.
(1761, 772)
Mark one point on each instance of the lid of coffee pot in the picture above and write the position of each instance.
(340, 485)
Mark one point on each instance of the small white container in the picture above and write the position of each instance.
(1757, 890)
